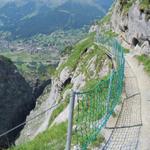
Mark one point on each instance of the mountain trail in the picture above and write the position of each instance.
(144, 87)
(132, 129)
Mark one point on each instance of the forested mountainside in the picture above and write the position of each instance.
(53, 15)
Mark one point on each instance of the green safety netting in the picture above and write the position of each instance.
(96, 106)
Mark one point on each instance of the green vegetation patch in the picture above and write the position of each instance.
(58, 110)
(62, 106)
(99, 53)
(5, 59)
(146, 62)
(52, 139)
(93, 113)
(90, 84)
(75, 56)
(106, 19)
(126, 5)
(110, 34)
(144, 4)
(145, 7)
(27, 57)
(60, 39)
(98, 141)
(126, 50)
(32, 66)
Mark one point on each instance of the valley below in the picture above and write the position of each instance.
(45, 51)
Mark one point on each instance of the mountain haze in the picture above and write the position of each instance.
(26, 18)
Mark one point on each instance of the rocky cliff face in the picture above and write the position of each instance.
(16, 100)
(86, 65)
(131, 20)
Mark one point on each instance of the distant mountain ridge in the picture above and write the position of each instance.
(26, 18)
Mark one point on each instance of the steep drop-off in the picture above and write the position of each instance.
(81, 70)
(16, 100)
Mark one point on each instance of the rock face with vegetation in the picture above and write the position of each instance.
(81, 70)
(85, 65)
(19, 95)
(16, 100)
(131, 20)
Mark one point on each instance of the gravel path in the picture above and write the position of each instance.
(126, 133)
(144, 86)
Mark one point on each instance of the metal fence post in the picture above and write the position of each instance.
(70, 121)
(109, 92)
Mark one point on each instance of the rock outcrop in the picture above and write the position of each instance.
(16, 101)
(89, 66)
(133, 24)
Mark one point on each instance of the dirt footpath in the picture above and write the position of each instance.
(144, 87)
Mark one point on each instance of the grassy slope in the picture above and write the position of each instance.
(76, 53)
(52, 139)
(146, 62)
(145, 4)
(58, 133)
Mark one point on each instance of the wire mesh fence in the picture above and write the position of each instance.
(94, 107)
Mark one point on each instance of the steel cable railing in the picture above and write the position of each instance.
(29, 124)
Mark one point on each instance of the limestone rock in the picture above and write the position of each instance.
(133, 25)
(78, 82)
(146, 47)
(93, 28)
(65, 74)
(91, 66)
(104, 70)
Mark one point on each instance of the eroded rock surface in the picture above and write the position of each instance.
(133, 26)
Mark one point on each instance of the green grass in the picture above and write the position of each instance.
(126, 5)
(88, 112)
(126, 50)
(58, 110)
(73, 59)
(99, 53)
(52, 139)
(90, 84)
(34, 70)
(106, 19)
(145, 4)
(62, 106)
(98, 141)
(146, 62)
(111, 34)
